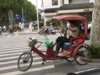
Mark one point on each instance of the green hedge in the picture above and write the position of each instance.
(95, 52)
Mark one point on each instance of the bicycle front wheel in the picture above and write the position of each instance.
(25, 61)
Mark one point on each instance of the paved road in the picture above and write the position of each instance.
(12, 46)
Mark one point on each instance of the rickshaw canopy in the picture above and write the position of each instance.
(74, 18)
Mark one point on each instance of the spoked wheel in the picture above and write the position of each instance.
(69, 59)
(82, 56)
(25, 61)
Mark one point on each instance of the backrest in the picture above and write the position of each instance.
(80, 39)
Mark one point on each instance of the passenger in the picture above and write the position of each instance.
(73, 29)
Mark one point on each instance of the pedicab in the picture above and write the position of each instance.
(77, 52)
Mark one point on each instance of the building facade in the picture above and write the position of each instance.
(59, 7)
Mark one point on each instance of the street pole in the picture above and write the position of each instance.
(10, 16)
(22, 15)
(37, 15)
(43, 13)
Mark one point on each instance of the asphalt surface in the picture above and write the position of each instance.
(12, 46)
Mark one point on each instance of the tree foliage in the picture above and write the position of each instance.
(16, 7)
(95, 32)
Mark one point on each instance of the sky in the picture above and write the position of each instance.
(34, 2)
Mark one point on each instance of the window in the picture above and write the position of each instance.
(54, 2)
(78, 1)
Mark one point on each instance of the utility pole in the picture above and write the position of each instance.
(43, 13)
(37, 15)
(22, 15)
(10, 17)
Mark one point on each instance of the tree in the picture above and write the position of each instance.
(95, 32)
(16, 6)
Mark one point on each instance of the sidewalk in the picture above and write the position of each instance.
(27, 32)
(20, 33)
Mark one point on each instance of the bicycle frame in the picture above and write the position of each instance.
(48, 55)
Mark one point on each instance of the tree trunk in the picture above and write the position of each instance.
(95, 31)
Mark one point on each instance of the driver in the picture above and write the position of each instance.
(72, 32)
(60, 42)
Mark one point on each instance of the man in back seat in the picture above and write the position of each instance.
(73, 29)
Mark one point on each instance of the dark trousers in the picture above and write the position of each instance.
(60, 42)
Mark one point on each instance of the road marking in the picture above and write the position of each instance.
(30, 70)
(11, 51)
(13, 61)
(15, 48)
(4, 55)
(15, 66)
(9, 58)
(86, 70)
(18, 54)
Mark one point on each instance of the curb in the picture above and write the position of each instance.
(84, 72)
(21, 33)
(95, 60)
(88, 70)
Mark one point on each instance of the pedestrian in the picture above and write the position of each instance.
(10, 29)
(52, 29)
(21, 25)
(31, 26)
(4, 28)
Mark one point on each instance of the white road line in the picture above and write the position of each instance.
(4, 63)
(15, 66)
(30, 70)
(12, 51)
(4, 55)
(13, 61)
(15, 48)
(9, 58)
(18, 53)
(86, 70)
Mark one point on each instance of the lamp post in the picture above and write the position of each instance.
(22, 11)
(37, 15)
(22, 15)
(43, 13)
(10, 17)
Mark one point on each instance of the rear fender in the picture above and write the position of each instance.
(76, 50)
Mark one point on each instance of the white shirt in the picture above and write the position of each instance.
(71, 33)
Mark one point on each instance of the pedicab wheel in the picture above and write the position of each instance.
(83, 56)
(25, 61)
(69, 59)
